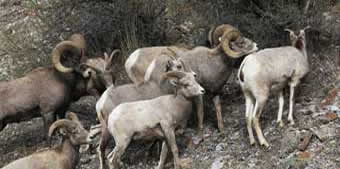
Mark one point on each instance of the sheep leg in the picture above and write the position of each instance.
(260, 102)
(200, 114)
(218, 107)
(281, 103)
(121, 145)
(291, 102)
(163, 156)
(104, 140)
(171, 140)
(49, 118)
(249, 111)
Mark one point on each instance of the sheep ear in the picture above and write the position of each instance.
(168, 65)
(174, 82)
(106, 56)
(73, 116)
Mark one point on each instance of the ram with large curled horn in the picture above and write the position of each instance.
(51, 89)
(213, 66)
(63, 156)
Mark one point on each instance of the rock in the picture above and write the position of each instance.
(218, 163)
(330, 97)
(304, 141)
(333, 108)
(290, 140)
(219, 147)
(328, 117)
(303, 155)
(324, 132)
(310, 110)
(186, 163)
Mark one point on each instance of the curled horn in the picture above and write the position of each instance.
(114, 52)
(175, 74)
(212, 40)
(290, 31)
(230, 34)
(307, 27)
(186, 68)
(76, 44)
(173, 54)
(60, 124)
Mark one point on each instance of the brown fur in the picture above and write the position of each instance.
(63, 156)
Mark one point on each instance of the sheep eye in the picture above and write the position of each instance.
(179, 67)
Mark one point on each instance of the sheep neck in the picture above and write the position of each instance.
(70, 151)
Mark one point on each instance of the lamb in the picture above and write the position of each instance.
(213, 66)
(63, 156)
(155, 118)
(271, 70)
(114, 96)
(50, 90)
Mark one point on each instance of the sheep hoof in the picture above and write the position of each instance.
(200, 132)
(264, 143)
(291, 123)
(252, 142)
(280, 123)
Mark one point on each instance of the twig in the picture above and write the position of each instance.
(306, 7)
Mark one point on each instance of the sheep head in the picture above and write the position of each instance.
(102, 68)
(231, 41)
(185, 83)
(76, 45)
(298, 41)
(72, 129)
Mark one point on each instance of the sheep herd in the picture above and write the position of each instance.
(168, 83)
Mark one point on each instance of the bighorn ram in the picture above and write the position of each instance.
(114, 96)
(64, 156)
(155, 118)
(213, 66)
(50, 90)
(271, 70)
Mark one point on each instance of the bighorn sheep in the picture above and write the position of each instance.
(65, 155)
(271, 70)
(213, 66)
(49, 90)
(155, 118)
(114, 96)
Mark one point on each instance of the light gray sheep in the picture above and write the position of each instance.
(63, 156)
(114, 96)
(155, 118)
(213, 66)
(271, 70)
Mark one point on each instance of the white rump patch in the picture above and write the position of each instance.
(149, 71)
(130, 62)
(100, 103)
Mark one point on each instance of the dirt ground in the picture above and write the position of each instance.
(229, 149)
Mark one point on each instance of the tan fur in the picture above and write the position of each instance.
(63, 156)
(161, 115)
(48, 90)
(270, 70)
